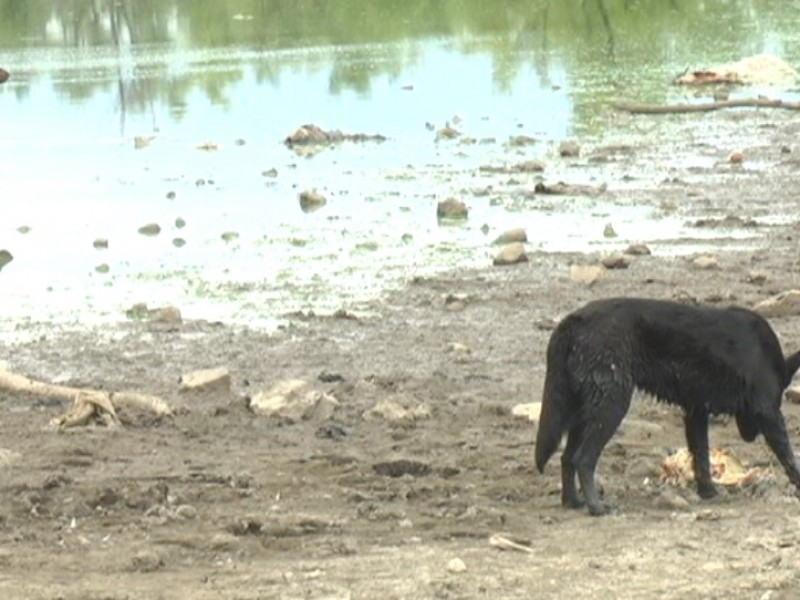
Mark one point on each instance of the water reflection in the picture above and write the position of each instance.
(88, 76)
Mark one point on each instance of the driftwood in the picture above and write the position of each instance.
(636, 108)
(87, 403)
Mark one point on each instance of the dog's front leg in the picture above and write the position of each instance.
(696, 424)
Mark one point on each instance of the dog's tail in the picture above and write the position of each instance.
(557, 396)
(792, 364)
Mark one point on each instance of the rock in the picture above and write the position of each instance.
(452, 209)
(511, 254)
(8, 457)
(180, 223)
(294, 400)
(447, 133)
(638, 250)
(4, 75)
(100, 243)
(456, 565)
(705, 262)
(186, 512)
(165, 314)
(206, 380)
(512, 235)
(792, 394)
(782, 305)
(102, 268)
(672, 501)
(608, 231)
(5, 258)
(311, 200)
(756, 277)
(147, 561)
(521, 140)
(616, 261)
(397, 410)
(587, 274)
(528, 410)
(736, 157)
(229, 236)
(569, 148)
(457, 348)
(142, 141)
(150, 229)
(401, 467)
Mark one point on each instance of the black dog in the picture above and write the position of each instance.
(706, 360)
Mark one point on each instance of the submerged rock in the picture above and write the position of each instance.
(452, 209)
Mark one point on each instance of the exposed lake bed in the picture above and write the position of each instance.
(401, 487)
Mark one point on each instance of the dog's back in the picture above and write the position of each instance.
(727, 359)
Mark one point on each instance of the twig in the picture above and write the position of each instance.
(636, 108)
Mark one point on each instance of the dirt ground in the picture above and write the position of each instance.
(217, 502)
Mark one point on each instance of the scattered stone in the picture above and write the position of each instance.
(273, 172)
(447, 133)
(178, 242)
(23, 229)
(147, 561)
(229, 236)
(311, 200)
(398, 468)
(180, 223)
(569, 149)
(587, 274)
(452, 209)
(186, 512)
(100, 243)
(792, 393)
(456, 565)
(8, 457)
(567, 189)
(142, 141)
(756, 277)
(616, 261)
(171, 195)
(528, 410)
(294, 400)
(511, 254)
(782, 305)
(102, 268)
(728, 222)
(457, 348)
(529, 166)
(164, 314)
(670, 500)
(5, 258)
(398, 410)
(638, 250)
(150, 229)
(608, 231)
(512, 235)
(208, 146)
(736, 157)
(521, 140)
(705, 262)
(312, 135)
(223, 542)
(206, 380)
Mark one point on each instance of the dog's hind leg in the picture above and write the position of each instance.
(569, 490)
(600, 422)
(696, 424)
(774, 429)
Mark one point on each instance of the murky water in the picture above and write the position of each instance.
(234, 245)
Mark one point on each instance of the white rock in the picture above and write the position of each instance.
(205, 380)
(511, 254)
(586, 274)
(294, 399)
(456, 565)
(397, 410)
(784, 304)
(530, 411)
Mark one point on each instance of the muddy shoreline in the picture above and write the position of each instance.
(217, 502)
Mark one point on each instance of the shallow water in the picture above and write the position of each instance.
(244, 75)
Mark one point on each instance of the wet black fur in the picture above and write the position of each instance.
(706, 360)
